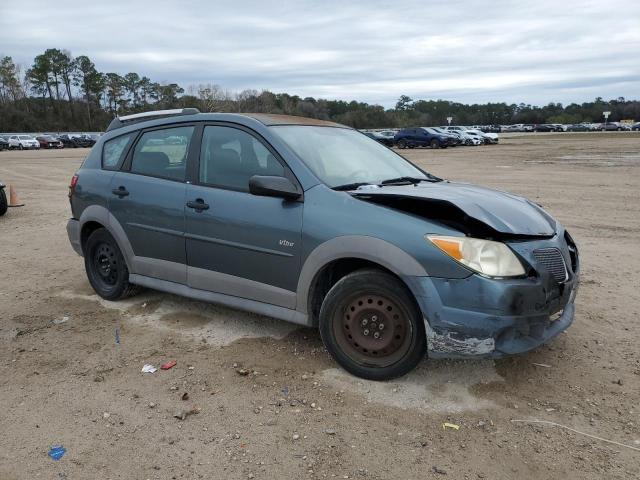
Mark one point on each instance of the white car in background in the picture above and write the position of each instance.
(488, 138)
(464, 137)
(23, 142)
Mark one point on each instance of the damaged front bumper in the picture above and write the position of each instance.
(485, 317)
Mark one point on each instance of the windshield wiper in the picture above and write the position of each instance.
(409, 180)
(350, 186)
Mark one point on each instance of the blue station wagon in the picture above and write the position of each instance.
(315, 223)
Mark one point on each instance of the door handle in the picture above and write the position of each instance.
(120, 191)
(198, 205)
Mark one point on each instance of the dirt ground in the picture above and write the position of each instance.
(70, 363)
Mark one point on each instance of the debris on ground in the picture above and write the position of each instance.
(149, 369)
(56, 452)
(181, 414)
(543, 365)
(185, 396)
(58, 321)
(450, 425)
(168, 365)
(438, 470)
(243, 372)
(116, 334)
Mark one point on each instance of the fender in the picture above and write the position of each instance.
(363, 247)
(98, 213)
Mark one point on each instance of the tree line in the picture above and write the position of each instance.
(60, 92)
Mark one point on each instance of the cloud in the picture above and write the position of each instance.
(374, 51)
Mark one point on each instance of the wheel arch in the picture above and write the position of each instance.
(97, 216)
(332, 260)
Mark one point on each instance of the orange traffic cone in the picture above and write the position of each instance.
(14, 201)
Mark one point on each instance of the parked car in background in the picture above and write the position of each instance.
(75, 141)
(613, 126)
(510, 128)
(578, 127)
(4, 144)
(386, 141)
(544, 127)
(488, 138)
(88, 140)
(49, 141)
(389, 134)
(421, 137)
(559, 127)
(465, 139)
(23, 142)
(456, 139)
(636, 127)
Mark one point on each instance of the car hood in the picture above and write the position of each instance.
(460, 203)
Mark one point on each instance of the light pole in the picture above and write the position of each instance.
(606, 117)
(449, 120)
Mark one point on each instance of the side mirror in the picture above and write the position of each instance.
(273, 186)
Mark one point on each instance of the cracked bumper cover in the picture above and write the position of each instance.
(483, 317)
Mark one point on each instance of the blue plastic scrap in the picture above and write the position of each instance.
(57, 452)
(117, 335)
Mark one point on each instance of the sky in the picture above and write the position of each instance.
(534, 51)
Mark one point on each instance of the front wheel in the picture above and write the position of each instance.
(435, 144)
(402, 144)
(371, 326)
(105, 266)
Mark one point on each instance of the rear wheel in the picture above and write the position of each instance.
(3, 202)
(371, 326)
(402, 144)
(106, 269)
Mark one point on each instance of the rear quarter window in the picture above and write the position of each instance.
(113, 151)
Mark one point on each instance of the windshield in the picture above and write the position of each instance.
(340, 156)
(25, 137)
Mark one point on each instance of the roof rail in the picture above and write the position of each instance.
(120, 122)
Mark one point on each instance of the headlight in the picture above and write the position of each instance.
(493, 259)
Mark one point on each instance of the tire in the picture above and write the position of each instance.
(619, 129)
(105, 266)
(434, 143)
(4, 205)
(375, 297)
(402, 144)
(20, 147)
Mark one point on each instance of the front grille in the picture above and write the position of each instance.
(553, 261)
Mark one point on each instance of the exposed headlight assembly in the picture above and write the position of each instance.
(493, 259)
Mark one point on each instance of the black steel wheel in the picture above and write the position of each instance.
(371, 325)
(105, 266)
(4, 205)
(402, 144)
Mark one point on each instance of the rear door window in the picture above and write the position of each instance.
(163, 153)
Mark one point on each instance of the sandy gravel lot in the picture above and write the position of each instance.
(64, 380)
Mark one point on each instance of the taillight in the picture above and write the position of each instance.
(72, 184)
